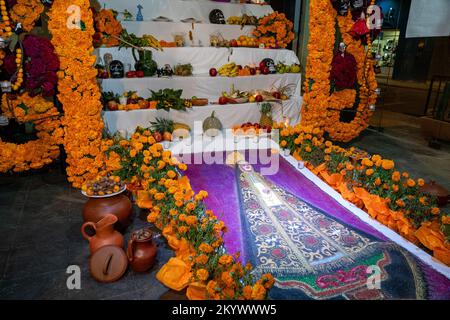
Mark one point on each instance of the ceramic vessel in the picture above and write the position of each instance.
(141, 250)
(433, 189)
(105, 234)
(119, 205)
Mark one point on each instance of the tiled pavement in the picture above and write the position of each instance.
(40, 220)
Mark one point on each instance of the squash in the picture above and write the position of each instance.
(212, 126)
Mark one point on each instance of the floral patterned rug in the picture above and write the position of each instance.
(315, 248)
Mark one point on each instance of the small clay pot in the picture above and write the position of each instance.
(141, 250)
(119, 205)
(104, 233)
(433, 189)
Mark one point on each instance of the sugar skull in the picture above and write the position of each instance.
(270, 64)
(116, 69)
(216, 16)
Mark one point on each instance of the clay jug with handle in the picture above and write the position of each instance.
(141, 250)
(105, 234)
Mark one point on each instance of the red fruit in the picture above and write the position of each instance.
(276, 95)
(262, 65)
(140, 74)
(265, 70)
(157, 136)
(113, 106)
(213, 72)
(233, 43)
(131, 74)
(223, 100)
(259, 98)
(239, 67)
(252, 71)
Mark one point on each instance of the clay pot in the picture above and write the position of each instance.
(433, 189)
(141, 250)
(104, 233)
(119, 205)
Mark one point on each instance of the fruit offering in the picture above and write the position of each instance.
(244, 41)
(250, 129)
(163, 129)
(167, 44)
(102, 186)
(183, 70)
(243, 20)
(229, 70)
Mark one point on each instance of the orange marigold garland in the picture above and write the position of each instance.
(274, 31)
(78, 90)
(320, 108)
(37, 153)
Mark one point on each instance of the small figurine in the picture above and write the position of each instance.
(139, 16)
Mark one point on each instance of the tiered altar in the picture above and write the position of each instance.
(198, 52)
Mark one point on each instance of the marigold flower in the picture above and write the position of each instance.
(369, 172)
(396, 176)
(421, 182)
(206, 248)
(201, 259)
(411, 183)
(387, 164)
(202, 274)
(435, 211)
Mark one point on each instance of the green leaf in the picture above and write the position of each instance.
(14, 38)
(24, 107)
(82, 25)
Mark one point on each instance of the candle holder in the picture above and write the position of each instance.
(300, 164)
(286, 152)
(166, 144)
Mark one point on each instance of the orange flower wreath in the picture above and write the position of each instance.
(320, 108)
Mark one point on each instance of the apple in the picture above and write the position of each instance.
(140, 74)
(276, 95)
(223, 100)
(158, 137)
(213, 72)
(233, 43)
(131, 74)
(259, 98)
(265, 70)
(112, 105)
(131, 101)
(252, 71)
(262, 65)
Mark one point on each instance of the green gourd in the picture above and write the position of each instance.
(212, 125)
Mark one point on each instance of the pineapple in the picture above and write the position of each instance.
(164, 127)
(266, 115)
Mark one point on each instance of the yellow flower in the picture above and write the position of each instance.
(202, 274)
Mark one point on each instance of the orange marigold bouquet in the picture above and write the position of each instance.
(26, 12)
(274, 31)
(108, 28)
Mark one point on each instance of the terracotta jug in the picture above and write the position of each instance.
(104, 233)
(141, 250)
(118, 205)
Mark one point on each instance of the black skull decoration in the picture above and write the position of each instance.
(342, 6)
(270, 64)
(165, 71)
(116, 69)
(216, 16)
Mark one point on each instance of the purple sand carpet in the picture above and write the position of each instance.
(220, 182)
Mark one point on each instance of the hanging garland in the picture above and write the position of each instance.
(321, 108)
(37, 153)
(78, 90)
(24, 107)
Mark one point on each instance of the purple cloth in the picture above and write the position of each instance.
(223, 199)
